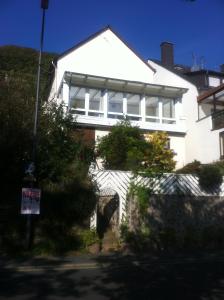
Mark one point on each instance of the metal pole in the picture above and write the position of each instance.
(44, 6)
(28, 232)
(38, 90)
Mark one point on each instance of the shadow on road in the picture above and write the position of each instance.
(163, 278)
(114, 277)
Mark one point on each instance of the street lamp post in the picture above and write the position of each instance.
(44, 6)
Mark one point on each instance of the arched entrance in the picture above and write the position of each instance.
(108, 212)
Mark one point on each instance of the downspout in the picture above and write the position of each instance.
(55, 73)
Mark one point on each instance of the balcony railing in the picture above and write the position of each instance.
(218, 120)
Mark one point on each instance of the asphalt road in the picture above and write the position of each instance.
(114, 277)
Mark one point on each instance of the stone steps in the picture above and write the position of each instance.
(110, 242)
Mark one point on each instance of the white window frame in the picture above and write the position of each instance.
(142, 117)
(99, 113)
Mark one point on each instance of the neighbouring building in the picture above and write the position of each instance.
(102, 79)
(203, 78)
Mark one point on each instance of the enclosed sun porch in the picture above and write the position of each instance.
(101, 101)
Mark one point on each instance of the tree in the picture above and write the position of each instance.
(158, 156)
(125, 148)
(68, 196)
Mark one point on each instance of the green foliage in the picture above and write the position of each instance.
(59, 153)
(210, 176)
(70, 202)
(23, 60)
(158, 158)
(77, 239)
(142, 195)
(19, 62)
(88, 237)
(220, 165)
(191, 168)
(125, 148)
(121, 148)
(63, 158)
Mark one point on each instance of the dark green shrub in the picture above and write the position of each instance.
(88, 237)
(210, 177)
(220, 165)
(126, 148)
(191, 168)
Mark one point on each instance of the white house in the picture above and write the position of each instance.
(210, 124)
(102, 79)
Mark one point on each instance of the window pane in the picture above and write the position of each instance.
(133, 104)
(152, 120)
(169, 122)
(115, 102)
(168, 108)
(77, 97)
(95, 100)
(152, 106)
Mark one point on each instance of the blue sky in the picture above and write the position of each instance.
(194, 27)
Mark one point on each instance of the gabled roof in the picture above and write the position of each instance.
(172, 70)
(91, 37)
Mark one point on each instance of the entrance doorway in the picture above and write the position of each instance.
(108, 214)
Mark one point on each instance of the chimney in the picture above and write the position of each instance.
(222, 68)
(167, 57)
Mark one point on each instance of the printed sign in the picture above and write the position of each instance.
(30, 201)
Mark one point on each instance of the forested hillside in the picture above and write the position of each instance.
(19, 62)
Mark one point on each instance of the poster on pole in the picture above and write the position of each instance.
(30, 204)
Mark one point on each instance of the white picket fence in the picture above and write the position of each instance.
(110, 182)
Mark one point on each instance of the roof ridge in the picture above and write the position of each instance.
(92, 36)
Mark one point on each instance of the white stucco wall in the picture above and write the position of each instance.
(177, 143)
(105, 55)
(208, 141)
(213, 81)
(188, 111)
